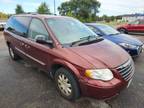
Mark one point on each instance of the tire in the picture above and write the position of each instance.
(66, 84)
(122, 30)
(12, 54)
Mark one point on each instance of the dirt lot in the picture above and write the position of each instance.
(23, 86)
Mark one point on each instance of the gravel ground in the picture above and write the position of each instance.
(24, 86)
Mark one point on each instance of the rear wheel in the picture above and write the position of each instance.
(66, 84)
(12, 54)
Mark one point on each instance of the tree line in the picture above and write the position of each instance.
(3, 16)
(42, 9)
(84, 10)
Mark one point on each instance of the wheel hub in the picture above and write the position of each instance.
(11, 52)
(64, 85)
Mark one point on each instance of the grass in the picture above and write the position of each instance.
(113, 23)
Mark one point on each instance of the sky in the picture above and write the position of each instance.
(108, 7)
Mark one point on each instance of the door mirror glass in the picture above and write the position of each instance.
(42, 40)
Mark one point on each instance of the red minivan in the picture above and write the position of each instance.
(80, 62)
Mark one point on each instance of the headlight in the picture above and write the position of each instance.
(125, 45)
(99, 74)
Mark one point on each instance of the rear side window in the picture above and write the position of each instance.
(18, 25)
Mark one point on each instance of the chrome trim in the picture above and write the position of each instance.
(40, 62)
(126, 70)
(124, 64)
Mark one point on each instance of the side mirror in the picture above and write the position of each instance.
(129, 24)
(42, 40)
(99, 34)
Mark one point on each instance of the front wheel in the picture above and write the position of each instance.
(122, 30)
(66, 84)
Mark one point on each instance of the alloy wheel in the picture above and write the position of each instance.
(11, 52)
(64, 85)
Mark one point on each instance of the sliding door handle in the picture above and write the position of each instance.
(27, 46)
(22, 44)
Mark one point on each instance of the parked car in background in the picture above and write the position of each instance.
(79, 61)
(136, 26)
(132, 45)
(2, 25)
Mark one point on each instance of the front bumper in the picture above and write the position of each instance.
(103, 90)
(135, 52)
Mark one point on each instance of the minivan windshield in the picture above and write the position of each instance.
(69, 30)
(107, 30)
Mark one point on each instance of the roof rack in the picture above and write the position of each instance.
(33, 13)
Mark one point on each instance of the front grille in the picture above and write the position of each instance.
(139, 50)
(126, 70)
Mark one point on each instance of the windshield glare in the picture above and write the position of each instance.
(107, 30)
(68, 30)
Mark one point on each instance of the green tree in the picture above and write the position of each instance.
(3, 16)
(112, 18)
(43, 8)
(108, 18)
(104, 17)
(84, 10)
(19, 9)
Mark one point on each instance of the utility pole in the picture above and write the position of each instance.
(54, 8)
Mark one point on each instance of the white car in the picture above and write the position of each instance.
(2, 24)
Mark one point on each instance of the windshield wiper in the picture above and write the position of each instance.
(86, 39)
(114, 34)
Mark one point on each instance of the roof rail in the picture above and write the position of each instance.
(33, 13)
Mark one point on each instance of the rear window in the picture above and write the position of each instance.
(141, 22)
(18, 25)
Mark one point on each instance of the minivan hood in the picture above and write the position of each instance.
(124, 38)
(105, 52)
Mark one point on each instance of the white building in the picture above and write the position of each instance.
(132, 17)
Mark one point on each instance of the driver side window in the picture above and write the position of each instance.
(95, 30)
(37, 28)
